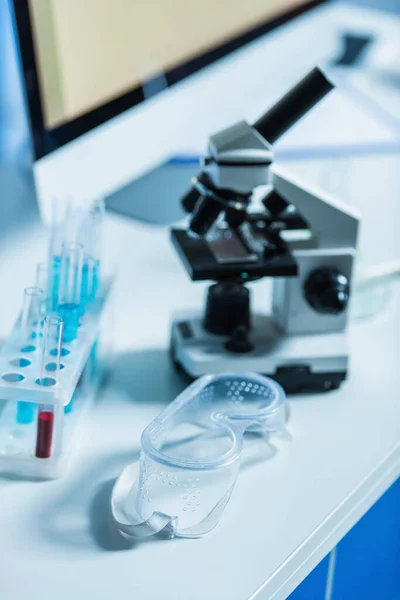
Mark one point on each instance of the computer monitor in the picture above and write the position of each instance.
(115, 88)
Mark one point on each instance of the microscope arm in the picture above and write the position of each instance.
(334, 224)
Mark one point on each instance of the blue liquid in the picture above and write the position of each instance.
(55, 282)
(25, 412)
(70, 313)
(88, 295)
(68, 407)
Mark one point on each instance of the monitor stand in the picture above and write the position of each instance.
(155, 197)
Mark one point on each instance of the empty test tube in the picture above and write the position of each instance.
(31, 326)
(32, 313)
(70, 288)
(51, 351)
(51, 355)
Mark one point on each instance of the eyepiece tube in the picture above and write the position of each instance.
(294, 105)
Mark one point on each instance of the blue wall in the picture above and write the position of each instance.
(368, 558)
(313, 587)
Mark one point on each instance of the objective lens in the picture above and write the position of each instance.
(205, 215)
(190, 200)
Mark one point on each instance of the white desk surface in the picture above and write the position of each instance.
(286, 513)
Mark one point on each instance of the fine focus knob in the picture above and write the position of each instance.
(239, 342)
(327, 291)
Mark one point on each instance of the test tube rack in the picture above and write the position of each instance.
(66, 391)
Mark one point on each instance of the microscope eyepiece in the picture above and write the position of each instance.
(226, 183)
(294, 105)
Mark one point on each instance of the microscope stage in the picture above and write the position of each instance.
(201, 263)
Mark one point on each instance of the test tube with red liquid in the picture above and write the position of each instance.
(50, 369)
(44, 438)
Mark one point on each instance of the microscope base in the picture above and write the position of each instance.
(301, 363)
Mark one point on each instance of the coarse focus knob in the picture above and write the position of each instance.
(327, 291)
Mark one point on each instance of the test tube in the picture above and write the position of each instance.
(43, 282)
(62, 225)
(91, 237)
(53, 332)
(44, 437)
(70, 288)
(61, 228)
(89, 281)
(92, 227)
(32, 313)
(31, 323)
(56, 240)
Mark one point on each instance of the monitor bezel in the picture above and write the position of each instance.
(45, 141)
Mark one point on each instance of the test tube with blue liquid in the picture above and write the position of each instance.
(31, 327)
(49, 373)
(43, 282)
(90, 236)
(89, 281)
(70, 289)
(61, 230)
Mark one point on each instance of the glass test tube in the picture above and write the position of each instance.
(89, 281)
(91, 238)
(61, 229)
(92, 228)
(31, 324)
(70, 288)
(32, 313)
(56, 239)
(43, 282)
(50, 369)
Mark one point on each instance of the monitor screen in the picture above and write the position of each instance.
(86, 62)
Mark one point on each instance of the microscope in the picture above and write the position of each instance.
(249, 220)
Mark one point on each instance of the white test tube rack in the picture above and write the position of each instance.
(22, 370)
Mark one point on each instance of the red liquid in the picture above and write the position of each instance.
(44, 434)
